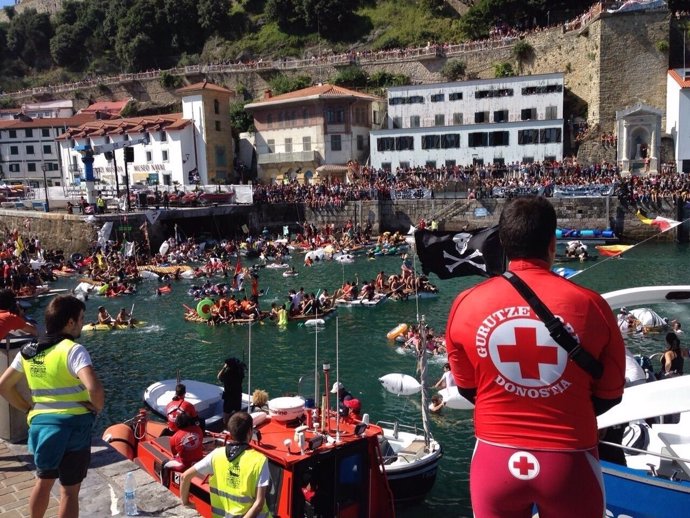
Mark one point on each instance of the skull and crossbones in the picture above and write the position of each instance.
(462, 241)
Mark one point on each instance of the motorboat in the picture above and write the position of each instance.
(301, 444)
(411, 455)
(656, 481)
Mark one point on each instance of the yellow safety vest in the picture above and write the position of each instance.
(100, 202)
(282, 317)
(53, 389)
(233, 484)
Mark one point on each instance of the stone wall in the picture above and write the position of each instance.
(72, 233)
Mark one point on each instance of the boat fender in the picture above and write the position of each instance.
(121, 438)
(77, 257)
(400, 384)
(398, 330)
(203, 308)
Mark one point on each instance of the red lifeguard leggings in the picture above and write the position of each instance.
(508, 482)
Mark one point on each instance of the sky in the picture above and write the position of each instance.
(3, 3)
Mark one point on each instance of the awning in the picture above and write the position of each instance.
(332, 169)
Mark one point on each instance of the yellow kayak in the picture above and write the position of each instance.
(106, 327)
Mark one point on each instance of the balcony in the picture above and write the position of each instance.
(287, 158)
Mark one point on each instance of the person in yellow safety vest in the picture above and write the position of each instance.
(66, 395)
(239, 475)
(100, 204)
(282, 316)
(434, 225)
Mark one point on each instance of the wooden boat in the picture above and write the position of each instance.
(323, 314)
(343, 455)
(195, 318)
(162, 270)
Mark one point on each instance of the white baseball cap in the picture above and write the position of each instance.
(336, 387)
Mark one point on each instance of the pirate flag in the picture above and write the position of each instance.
(456, 254)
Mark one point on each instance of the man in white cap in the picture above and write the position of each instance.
(343, 395)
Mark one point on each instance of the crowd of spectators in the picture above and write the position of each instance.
(484, 181)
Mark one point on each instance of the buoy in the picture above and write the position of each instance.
(398, 330)
(121, 438)
(400, 384)
(315, 322)
(203, 308)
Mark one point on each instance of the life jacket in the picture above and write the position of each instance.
(53, 389)
(233, 484)
(282, 317)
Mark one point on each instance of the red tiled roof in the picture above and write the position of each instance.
(99, 128)
(324, 91)
(115, 107)
(682, 82)
(48, 122)
(203, 85)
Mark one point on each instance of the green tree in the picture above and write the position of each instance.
(326, 15)
(454, 69)
(141, 36)
(182, 18)
(522, 51)
(67, 46)
(503, 70)
(29, 36)
(281, 84)
(284, 12)
(213, 16)
(240, 119)
(353, 77)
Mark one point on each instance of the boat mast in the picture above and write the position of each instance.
(422, 376)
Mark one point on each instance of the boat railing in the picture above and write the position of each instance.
(664, 456)
(401, 427)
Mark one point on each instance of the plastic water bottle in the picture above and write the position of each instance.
(130, 495)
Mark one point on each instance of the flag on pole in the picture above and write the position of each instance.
(662, 223)
(456, 254)
(613, 250)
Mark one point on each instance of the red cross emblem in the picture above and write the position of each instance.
(523, 465)
(527, 353)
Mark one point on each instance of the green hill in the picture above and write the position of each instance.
(102, 37)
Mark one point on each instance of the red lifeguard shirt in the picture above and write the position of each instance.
(175, 407)
(187, 445)
(9, 322)
(528, 394)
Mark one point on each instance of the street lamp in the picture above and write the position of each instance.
(45, 185)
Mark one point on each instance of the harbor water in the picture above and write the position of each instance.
(354, 343)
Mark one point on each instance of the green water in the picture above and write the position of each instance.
(128, 361)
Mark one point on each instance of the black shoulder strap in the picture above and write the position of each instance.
(556, 329)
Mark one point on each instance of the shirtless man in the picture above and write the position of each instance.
(124, 319)
(104, 317)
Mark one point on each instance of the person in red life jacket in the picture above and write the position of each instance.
(179, 405)
(535, 409)
(187, 443)
(11, 316)
(354, 407)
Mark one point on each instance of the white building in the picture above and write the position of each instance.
(28, 149)
(299, 131)
(160, 162)
(61, 109)
(678, 115)
(195, 146)
(488, 121)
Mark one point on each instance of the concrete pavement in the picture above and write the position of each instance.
(102, 492)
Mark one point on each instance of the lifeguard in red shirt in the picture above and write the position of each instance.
(535, 410)
(187, 443)
(178, 405)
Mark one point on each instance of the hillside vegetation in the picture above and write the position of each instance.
(103, 37)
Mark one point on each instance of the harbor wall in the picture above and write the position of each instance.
(76, 233)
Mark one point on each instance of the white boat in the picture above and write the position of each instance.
(206, 398)
(656, 481)
(411, 455)
(375, 301)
